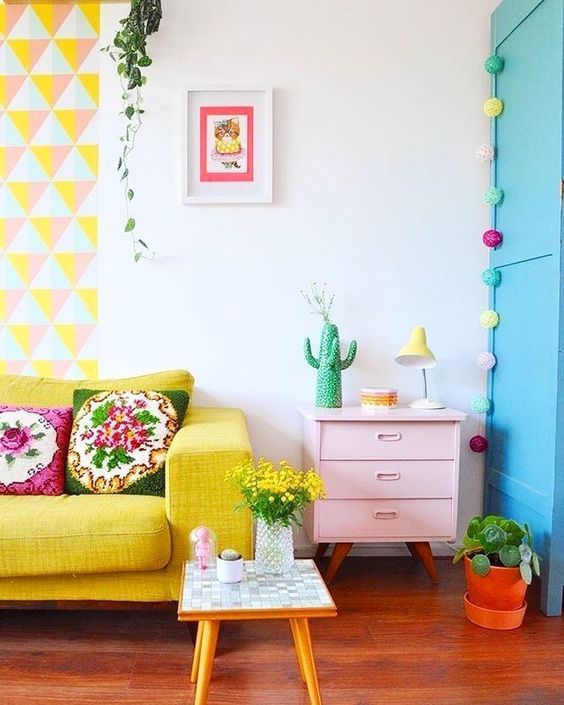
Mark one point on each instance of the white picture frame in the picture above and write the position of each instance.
(227, 145)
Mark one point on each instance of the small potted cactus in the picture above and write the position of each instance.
(229, 566)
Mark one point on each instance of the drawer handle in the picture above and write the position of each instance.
(388, 436)
(386, 514)
(387, 475)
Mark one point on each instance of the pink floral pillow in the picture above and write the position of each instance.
(33, 449)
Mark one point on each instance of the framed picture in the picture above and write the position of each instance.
(227, 145)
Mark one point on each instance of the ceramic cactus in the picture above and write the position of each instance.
(329, 365)
(230, 554)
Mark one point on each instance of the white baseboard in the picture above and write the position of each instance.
(373, 550)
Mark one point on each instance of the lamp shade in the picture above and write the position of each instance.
(416, 353)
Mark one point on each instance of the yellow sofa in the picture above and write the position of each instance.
(123, 547)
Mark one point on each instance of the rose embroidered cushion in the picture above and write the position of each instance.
(33, 449)
(119, 440)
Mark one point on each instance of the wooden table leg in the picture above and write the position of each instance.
(297, 647)
(339, 554)
(422, 550)
(197, 652)
(321, 548)
(305, 655)
(210, 631)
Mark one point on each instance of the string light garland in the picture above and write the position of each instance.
(493, 107)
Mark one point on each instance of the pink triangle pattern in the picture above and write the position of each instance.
(13, 226)
(36, 334)
(36, 49)
(82, 333)
(13, 298)
(13, 14)
(15, 367)
(83, 119)
(83, 48)
(13, 155)
(13, 85)
(61, 367)
(61, 81)
(35, 262)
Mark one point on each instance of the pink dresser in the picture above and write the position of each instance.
(390, 476)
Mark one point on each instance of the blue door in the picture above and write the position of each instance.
(525, 468)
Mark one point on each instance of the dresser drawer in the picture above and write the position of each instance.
(387, 440)
(359, 479)
(373, 519)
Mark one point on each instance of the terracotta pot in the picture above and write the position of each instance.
(501, 589)
(494, 619)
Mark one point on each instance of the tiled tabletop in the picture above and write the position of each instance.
(300, 589)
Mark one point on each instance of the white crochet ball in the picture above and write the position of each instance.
(486, 360)
(485, 153)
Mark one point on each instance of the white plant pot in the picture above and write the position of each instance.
(229, 571)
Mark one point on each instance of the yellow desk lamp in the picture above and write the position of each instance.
(417, 354)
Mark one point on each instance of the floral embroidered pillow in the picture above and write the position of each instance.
(119, 440)
(33, 449)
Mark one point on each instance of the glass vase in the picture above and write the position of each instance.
(274, 547)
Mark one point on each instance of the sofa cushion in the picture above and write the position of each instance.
(47, 391)
(33, 449)
(119, 440)
(42, 535)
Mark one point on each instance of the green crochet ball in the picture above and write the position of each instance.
(491, 277)
(494, 64)
(480, 404)
(493, 196)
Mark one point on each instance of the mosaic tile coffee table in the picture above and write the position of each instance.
(297, 595)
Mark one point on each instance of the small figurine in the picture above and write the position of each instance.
(203, 548)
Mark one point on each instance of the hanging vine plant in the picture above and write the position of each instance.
(129, 51)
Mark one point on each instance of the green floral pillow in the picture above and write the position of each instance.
(119, 441)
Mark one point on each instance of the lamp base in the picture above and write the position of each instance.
(427, 404)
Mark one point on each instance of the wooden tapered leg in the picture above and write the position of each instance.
(412, 550)
(339, 554)
(321, 548)
(305, 655)
(422, 550)
(210, 631)
(197, 652)
(297, 647)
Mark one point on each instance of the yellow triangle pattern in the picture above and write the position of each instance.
(89, 152)
(92, 14)
(22, 49)
(91, 83)
(89, 368)
(24, 122)
(89, 225)
(89, 297)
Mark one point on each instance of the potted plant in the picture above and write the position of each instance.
(277, 497)
(499, 562)
(229, 566)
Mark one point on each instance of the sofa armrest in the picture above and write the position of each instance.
(211, 442)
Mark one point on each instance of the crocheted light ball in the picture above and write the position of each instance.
(478, 444)
(486, 360)
(485, 153)
(493, 107)
(492, 238)
(480, 404)
(491, 277)
(494, 64)
(493, 196)
(489, 319)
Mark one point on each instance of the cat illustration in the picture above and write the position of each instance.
(228, 149)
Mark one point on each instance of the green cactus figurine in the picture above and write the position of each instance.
(230, 554)
(329, 365)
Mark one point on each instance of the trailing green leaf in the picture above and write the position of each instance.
(129, 51)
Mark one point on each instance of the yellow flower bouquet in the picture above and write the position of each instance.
(276, 494)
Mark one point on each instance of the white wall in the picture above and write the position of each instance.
(376, 191)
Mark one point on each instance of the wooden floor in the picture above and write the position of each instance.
(397, 641)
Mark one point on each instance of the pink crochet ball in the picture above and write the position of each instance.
(486, 360)
(492, 238)
(478, 444)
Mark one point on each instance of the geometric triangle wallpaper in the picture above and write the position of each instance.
(48, 197)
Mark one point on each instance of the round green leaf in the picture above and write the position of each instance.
(121, 68)
(510, 556)
(144, 61)
(473, 527)
(481, 564)
(526, 572)
(525, 553)
(130, 225)
(492, 538)
(535, 564)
